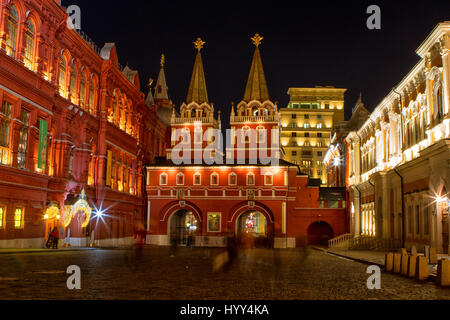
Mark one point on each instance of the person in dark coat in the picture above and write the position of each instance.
(55, 237)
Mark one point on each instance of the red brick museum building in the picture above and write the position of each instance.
(75, 133)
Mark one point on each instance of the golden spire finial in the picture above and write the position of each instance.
(257, 40)
(163, 59)
(198, 44)
(150, 82)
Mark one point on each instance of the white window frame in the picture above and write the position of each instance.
(229, 179)
(244, 134)
(248, 175)
(178, 175)
(160, 179)
(260, 129)
(195, 175)
(265, 182)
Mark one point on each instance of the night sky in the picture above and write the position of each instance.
(306, 44)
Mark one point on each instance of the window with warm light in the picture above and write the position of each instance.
(91, 97)
(62, 77)
(29, 45)
(5, 132)
(2, 216)
(163, 179)
(82, 90)
(11, 39)
(250, 179)
(232, 179)
(91, 171)
(180, 179)
(197, 179)
(18, 217)
(214, 179)
(73, 85)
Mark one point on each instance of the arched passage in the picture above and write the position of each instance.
(181, 221)
(319, 233)
(183, 226)
(254, 223)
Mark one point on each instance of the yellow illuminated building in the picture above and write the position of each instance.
(398, 160)
(306, 126)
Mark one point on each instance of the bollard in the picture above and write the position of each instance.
(414, 250)
(412, 266)
(433, 256)
(443, 273)
(397, 260)
(422, 271)
(404, 265)
(389, 261)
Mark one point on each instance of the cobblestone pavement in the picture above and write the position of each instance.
(151, 274)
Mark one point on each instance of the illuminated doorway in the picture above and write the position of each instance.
(251, 223)
(183, 227)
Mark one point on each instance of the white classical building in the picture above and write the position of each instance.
(398, 168)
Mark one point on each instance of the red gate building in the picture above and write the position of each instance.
(206, 203)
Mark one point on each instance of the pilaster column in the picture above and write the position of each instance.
(445, 53)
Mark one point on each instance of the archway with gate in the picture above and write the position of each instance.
(182, 221)
(319, 233)
(253, 223)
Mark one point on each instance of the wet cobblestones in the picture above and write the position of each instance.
(151, 274)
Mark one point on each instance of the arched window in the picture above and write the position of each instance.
(214, 179)
(180, 179)
(112, 115)
(119, 111)
(197, 179)
(91, 98)
(11, 41)
(82, 90)
(73, 85)
(29, 45)
(163, 179)
(262, 134)
(250, 179)
(232, 179)
(438, 101)
(198, 135)
(62, 77)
